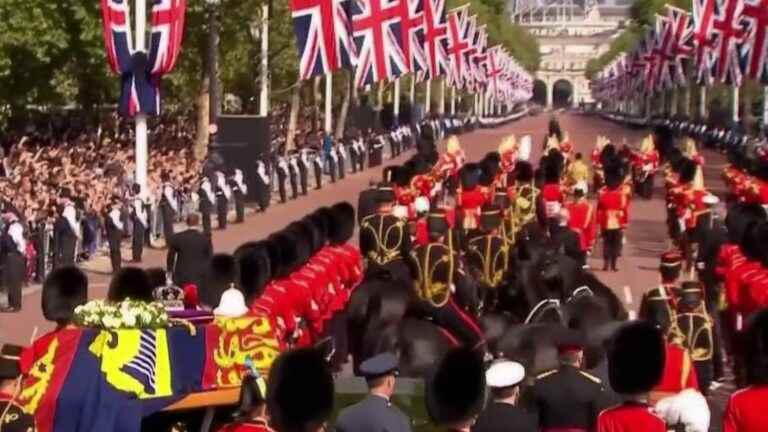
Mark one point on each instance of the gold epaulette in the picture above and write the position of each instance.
(591, 377)
(546, 374)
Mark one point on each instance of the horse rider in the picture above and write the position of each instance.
(488, 254)
(384, 237)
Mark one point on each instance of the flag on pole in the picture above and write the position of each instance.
(457, 45)
(167, 34)
(682, 42)
(412, 35)
(755, 49)
(728, 34)
(703, 23)
(435, 35)
(323, 36)
(376, 30)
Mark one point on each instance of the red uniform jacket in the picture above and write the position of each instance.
(746, 410)
(254, 426)
(753, 294)
(679, 373)
(728, 256)
(611, 208)
(735, 278)
(552, 194)
(469, 204)
(630, 417)
(583, 222)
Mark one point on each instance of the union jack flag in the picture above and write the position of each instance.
(681, 27)
(663, 54)
(412, 35)
(435, 34)
(755, 49)
(141, 71)
(477, 59)
(323, 36)
(728, 33)
(650, 61)
(703, 23)
(458, 44)
(376, 27)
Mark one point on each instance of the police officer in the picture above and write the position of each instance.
(169, 206)
(304, 166)
(13, 248)
(436, 269)
(502, 414)
(317, 164)
(140, 222)
(375, 412)
(282, 175)
(239, 192)
(359, 145)
(293, 173)
(573, 410)
(223, 194)
(12, 416)
(384, 238)
(114, 226)
(262, 182)
(206, 198)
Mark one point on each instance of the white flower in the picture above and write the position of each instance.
(129, 320)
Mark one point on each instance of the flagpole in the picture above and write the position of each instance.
(687, 100)
(412, 97)
(735, 101)
(673, 103)
(428, 95)
(141, 149)
(702, 102)
(264, 94)
(453, 100)
(396, 102)
(441, 109)
(328, 101)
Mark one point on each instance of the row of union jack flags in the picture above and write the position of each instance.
(384, 39)
(721, 41)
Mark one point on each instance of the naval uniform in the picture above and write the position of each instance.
(341, 153)
(304, 170)
(572, 410)
(114, 225)
(293, 174)
(504, 417)
(262, 183)
(140, 222)
(205, 206)
(374, 413)
(223, 193)
(66, 234)
(13, 247)
(282, 175)
(169, 207)
(317, 163)
(239, 192)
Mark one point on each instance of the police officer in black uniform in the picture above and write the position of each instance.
(263, 184)
(282, 174)
(488, 254)
(293, 173)
(384, 238)
(169, 205)
(239, 192)
(375, 412)
(206, 198)
(114, 225)
(436, 270)
(12, 416)
(304, 166)
(575, 409)
(317, 164)
(223, 194)
(341, 154)
(140, 222)
(12, 249)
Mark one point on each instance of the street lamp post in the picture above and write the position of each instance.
(213, 69)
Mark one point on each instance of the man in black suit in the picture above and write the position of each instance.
(566, 239)
(503, 414)
(188, 254)
(114, 225)
(66, 231)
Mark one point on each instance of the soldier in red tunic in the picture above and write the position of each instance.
(552, 193)
(635, 364)
(470, 198)
(746, 410)
(582, 219)
(611, 208)
(251, 415)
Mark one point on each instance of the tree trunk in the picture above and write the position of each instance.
(317, 98)
(341, 121)
(293, 118)
(203, 109)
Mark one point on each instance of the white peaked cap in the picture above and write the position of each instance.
(504, 374)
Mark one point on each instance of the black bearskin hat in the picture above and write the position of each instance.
(343, 226)
(687, 170)
(552, 170)
(490, 218)
(317, 229)
(300, 390)
(750, 243)
(613, 175)
(254, 268)
(279, 259)
(523, 172)
(437, 222)
(756, 349)
(222, 273)
(402, 176)
(608, 155)
(636, 358)
(303, 237)
(63, 290)
(739, 217)
(470, 176)
(455, 391)
(489, 168)
(10, 367)
(130, 282)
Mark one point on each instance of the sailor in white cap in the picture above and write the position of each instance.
(503, 414)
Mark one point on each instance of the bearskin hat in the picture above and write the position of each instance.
(10, 367)
(613, 175)
(469, 175)
(455, 391)
(750, 243)
(300, 390)
(254, 268)
(299, 234)
(274, 246)
(63, 290)
(636, 358)
(318, 231)
(608, 154)
(222, 273)
(490, 218)
(523, 172)
(756, 349)
(130, 283)
(687, 170)
(343, 226)
(552, 169)
(402, 176)
(740, 216)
